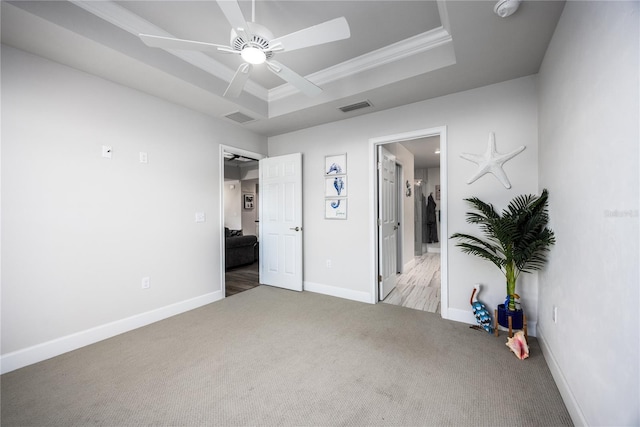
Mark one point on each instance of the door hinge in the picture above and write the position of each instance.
(379, 165)
(379, 278)
(379, 222)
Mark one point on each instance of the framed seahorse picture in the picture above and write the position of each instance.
(335, 208)
(335, 186)
(335, 165)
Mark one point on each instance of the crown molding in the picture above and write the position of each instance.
(134, 24)
(405, 48)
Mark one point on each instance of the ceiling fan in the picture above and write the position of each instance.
(257, 45)
(231, 157)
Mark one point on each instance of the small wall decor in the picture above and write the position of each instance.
(335, 208)
(408, 191)
(491, 161)
(248, 200)
(335, 165)
(336, 186)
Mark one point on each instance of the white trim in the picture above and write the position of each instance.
(444, 223)
(444, 15)
(373, 197)
(335, 291)
(400, 217)
(239, 152)
(385, 55)
(570, 401)
(37, 353)
(466, 316)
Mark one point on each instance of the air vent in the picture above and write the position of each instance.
(238, 117)
(356, 106)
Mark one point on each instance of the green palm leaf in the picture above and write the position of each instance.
(518, 237)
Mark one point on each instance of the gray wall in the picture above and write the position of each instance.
(79, 231)
(509, 109)
(589, 162)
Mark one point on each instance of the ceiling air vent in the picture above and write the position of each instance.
(356, 106)
(238, 117)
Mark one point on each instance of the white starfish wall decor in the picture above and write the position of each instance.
(491, 161)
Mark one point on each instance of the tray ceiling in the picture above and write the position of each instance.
(399, 51)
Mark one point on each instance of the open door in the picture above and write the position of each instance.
(387, 221)
(281, 221)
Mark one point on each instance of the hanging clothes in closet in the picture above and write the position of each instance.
(417, 209)
(432, 225)
(425, 228)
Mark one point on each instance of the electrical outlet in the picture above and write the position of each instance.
(143, 157)
(146, 284)
(328, 263)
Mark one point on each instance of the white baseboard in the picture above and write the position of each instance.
(409, 265)
(466, 316)
(37, 353)
(335, 291)
(577, 416)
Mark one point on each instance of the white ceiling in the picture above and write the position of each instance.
(424, 152)
(399, 51)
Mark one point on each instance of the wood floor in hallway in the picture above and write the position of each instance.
(419, 288)
(241, 279)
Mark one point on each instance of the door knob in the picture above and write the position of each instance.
(295, 229)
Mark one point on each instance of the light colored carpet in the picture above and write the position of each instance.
(273, 357)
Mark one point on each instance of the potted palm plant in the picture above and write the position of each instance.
(516, 241)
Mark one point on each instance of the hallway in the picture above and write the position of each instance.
(419, 288)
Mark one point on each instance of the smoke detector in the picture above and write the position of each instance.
(506, 8)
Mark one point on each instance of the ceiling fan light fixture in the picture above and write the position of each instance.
(253, 55)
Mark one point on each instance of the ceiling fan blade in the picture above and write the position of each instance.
(232, 12)
(179, 44)
(238, 81)
(336, 29)
(290, 76)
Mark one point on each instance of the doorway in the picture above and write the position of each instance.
(379, 256)
(239, 213)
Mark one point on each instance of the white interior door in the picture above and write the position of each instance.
(281, 221)
(387, 221)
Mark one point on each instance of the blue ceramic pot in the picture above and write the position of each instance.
(516, 317)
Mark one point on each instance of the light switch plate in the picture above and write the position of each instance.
(200, 217)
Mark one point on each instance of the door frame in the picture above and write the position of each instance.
(440, 131)
(240, 152)
(400, 215)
